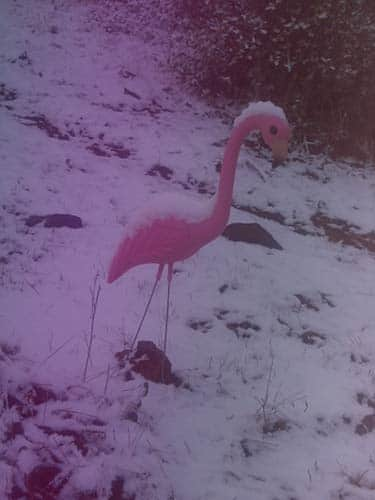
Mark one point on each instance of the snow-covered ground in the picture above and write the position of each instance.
(275, 348)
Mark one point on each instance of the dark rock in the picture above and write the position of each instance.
(55, 220)
(63, 220)
(33, 220)
(41, 482)
(251, 233)
(153, 364)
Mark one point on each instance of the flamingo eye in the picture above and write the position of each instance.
(273, 130)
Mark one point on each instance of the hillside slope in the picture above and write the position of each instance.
(275, 348)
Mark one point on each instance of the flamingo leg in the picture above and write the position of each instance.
(158, 276)
(170, 268)
(170, 273)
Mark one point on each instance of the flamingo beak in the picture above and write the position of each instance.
(279, 152)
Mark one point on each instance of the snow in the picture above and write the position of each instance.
(177, 205)
(241, 316)
(260, 108)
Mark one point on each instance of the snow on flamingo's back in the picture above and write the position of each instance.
(165, 205)
(159, 233)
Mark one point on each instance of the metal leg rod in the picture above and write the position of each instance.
(170, 270)
(146, 308)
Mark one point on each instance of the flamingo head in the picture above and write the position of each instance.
(272, 123)
(276, 134)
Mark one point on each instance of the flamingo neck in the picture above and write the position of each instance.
(223, 197)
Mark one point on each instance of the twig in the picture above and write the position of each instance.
(95, 293)
(256, 170)
(107, 379)
(266, 396)
(33, 287)
(56, 350)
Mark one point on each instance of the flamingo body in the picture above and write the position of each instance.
(163, 241)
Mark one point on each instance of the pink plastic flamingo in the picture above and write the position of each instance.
(174, 227)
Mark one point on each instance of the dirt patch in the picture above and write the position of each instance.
(264, 214)
(243, 329)
(7, 94)
(340, 231)
(150, 362)
(278, 425)
(154, 109)
(98, 150)
(313, 338)
(118, 150)
(307, 302)
(367, 425)
(364, 399)
(42, 123)
(336, 230)
(161, 171)
(202, 325)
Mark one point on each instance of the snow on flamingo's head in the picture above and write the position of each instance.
(273, 124)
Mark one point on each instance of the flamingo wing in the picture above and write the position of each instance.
(162, 241)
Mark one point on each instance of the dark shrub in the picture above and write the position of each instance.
(316, 59)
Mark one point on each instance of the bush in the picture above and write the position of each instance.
(317, 60)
